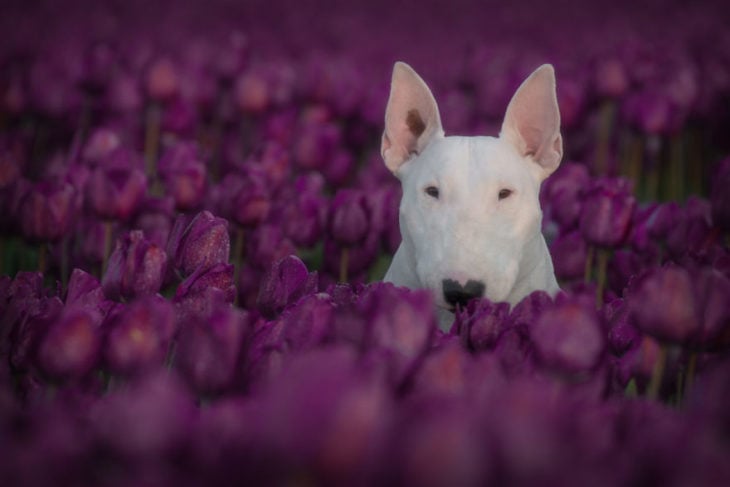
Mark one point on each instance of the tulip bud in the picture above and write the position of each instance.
(183, 174)
(136, 268)
(115, 193)
(70, 349)
(286, 282)
(607, 211)
(198, 242)
(349, 220)
(47, 211)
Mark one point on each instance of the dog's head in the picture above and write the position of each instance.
(470, 209)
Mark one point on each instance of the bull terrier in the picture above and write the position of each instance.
(470, 216)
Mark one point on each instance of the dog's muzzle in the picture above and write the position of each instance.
(457, 295)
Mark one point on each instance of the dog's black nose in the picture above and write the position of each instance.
(457, 295)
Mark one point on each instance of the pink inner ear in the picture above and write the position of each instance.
(532, 121)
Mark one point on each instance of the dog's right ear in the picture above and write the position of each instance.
(411, 118)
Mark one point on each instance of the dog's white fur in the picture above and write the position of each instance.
(468, 232)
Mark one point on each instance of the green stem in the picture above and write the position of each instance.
(676, 168)
(152, 141)
(603, 255)
(691, 369)
(657, 374)
(605, 129)
(344, 263)
(107, 246)
(42, 257)
(589, 263)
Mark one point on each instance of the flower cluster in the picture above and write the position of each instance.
(194, 205)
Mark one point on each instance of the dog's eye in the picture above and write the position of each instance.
(432, 191)
(504, 193)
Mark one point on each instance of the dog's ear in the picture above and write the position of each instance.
(532, 121)
(411, 118)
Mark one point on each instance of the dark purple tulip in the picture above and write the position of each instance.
(198, 242)
(124, 94)
(307, 324)
(47, 211)
(572, 97)
(136, 268)
(316, 144)
(444, 449)
(712, 294)
(162, 80)
(569, 253)
(208, 351)
(200, 292)
(183, 174)
(34, 314)
(568, 337)
(71, 347)
(608, 208)
(653, 112)
(622, 335)
(445, 371)
(139, 336)
(85, 291)
(527, 311)
(562, 193)
(720, 196)
(610, 77)
(339, 168)
(400, 322)
(245, 198)
(662, 304)
(349, 220)
(286, 282)
(481, 323)
(303, 219)
(155, 219)
(274, 162)
(115, 193)
(252, 93)
(149, 419)
(691, 234)
(179, 117)
(100, 144)
(267, 245)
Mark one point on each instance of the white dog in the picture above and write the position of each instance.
(470, 215)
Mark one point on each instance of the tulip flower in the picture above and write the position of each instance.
(198, 242)
(136, 268)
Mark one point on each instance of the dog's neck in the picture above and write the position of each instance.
(535, 273)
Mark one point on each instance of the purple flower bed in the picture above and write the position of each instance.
(196, 216)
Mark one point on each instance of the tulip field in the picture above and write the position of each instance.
(195, 220)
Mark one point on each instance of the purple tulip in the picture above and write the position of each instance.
(115, 193)
(179, 117)
(155, 219)
(349, 220)
(162, 80)
(568, 337)
(286, 282)
(691, 233)
(198, 242)
(569, 253)
(47, 211)
(85, 291)
(623, 335)
(308, 323)
(208, 351)
(562, 194)
(202, 290)
(316, 145)
(136, 268)
(611, 78)
(251, 92)
(662, 304)
(267, 245)
(71, 346)
(607, 211)
(34, 314)
(481, 323)
(245, 198)
(100, 144)
(139, 336)
(184, 175)
(150, 419)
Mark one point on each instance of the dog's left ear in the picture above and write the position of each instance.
(532, 121)
(411, 118)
